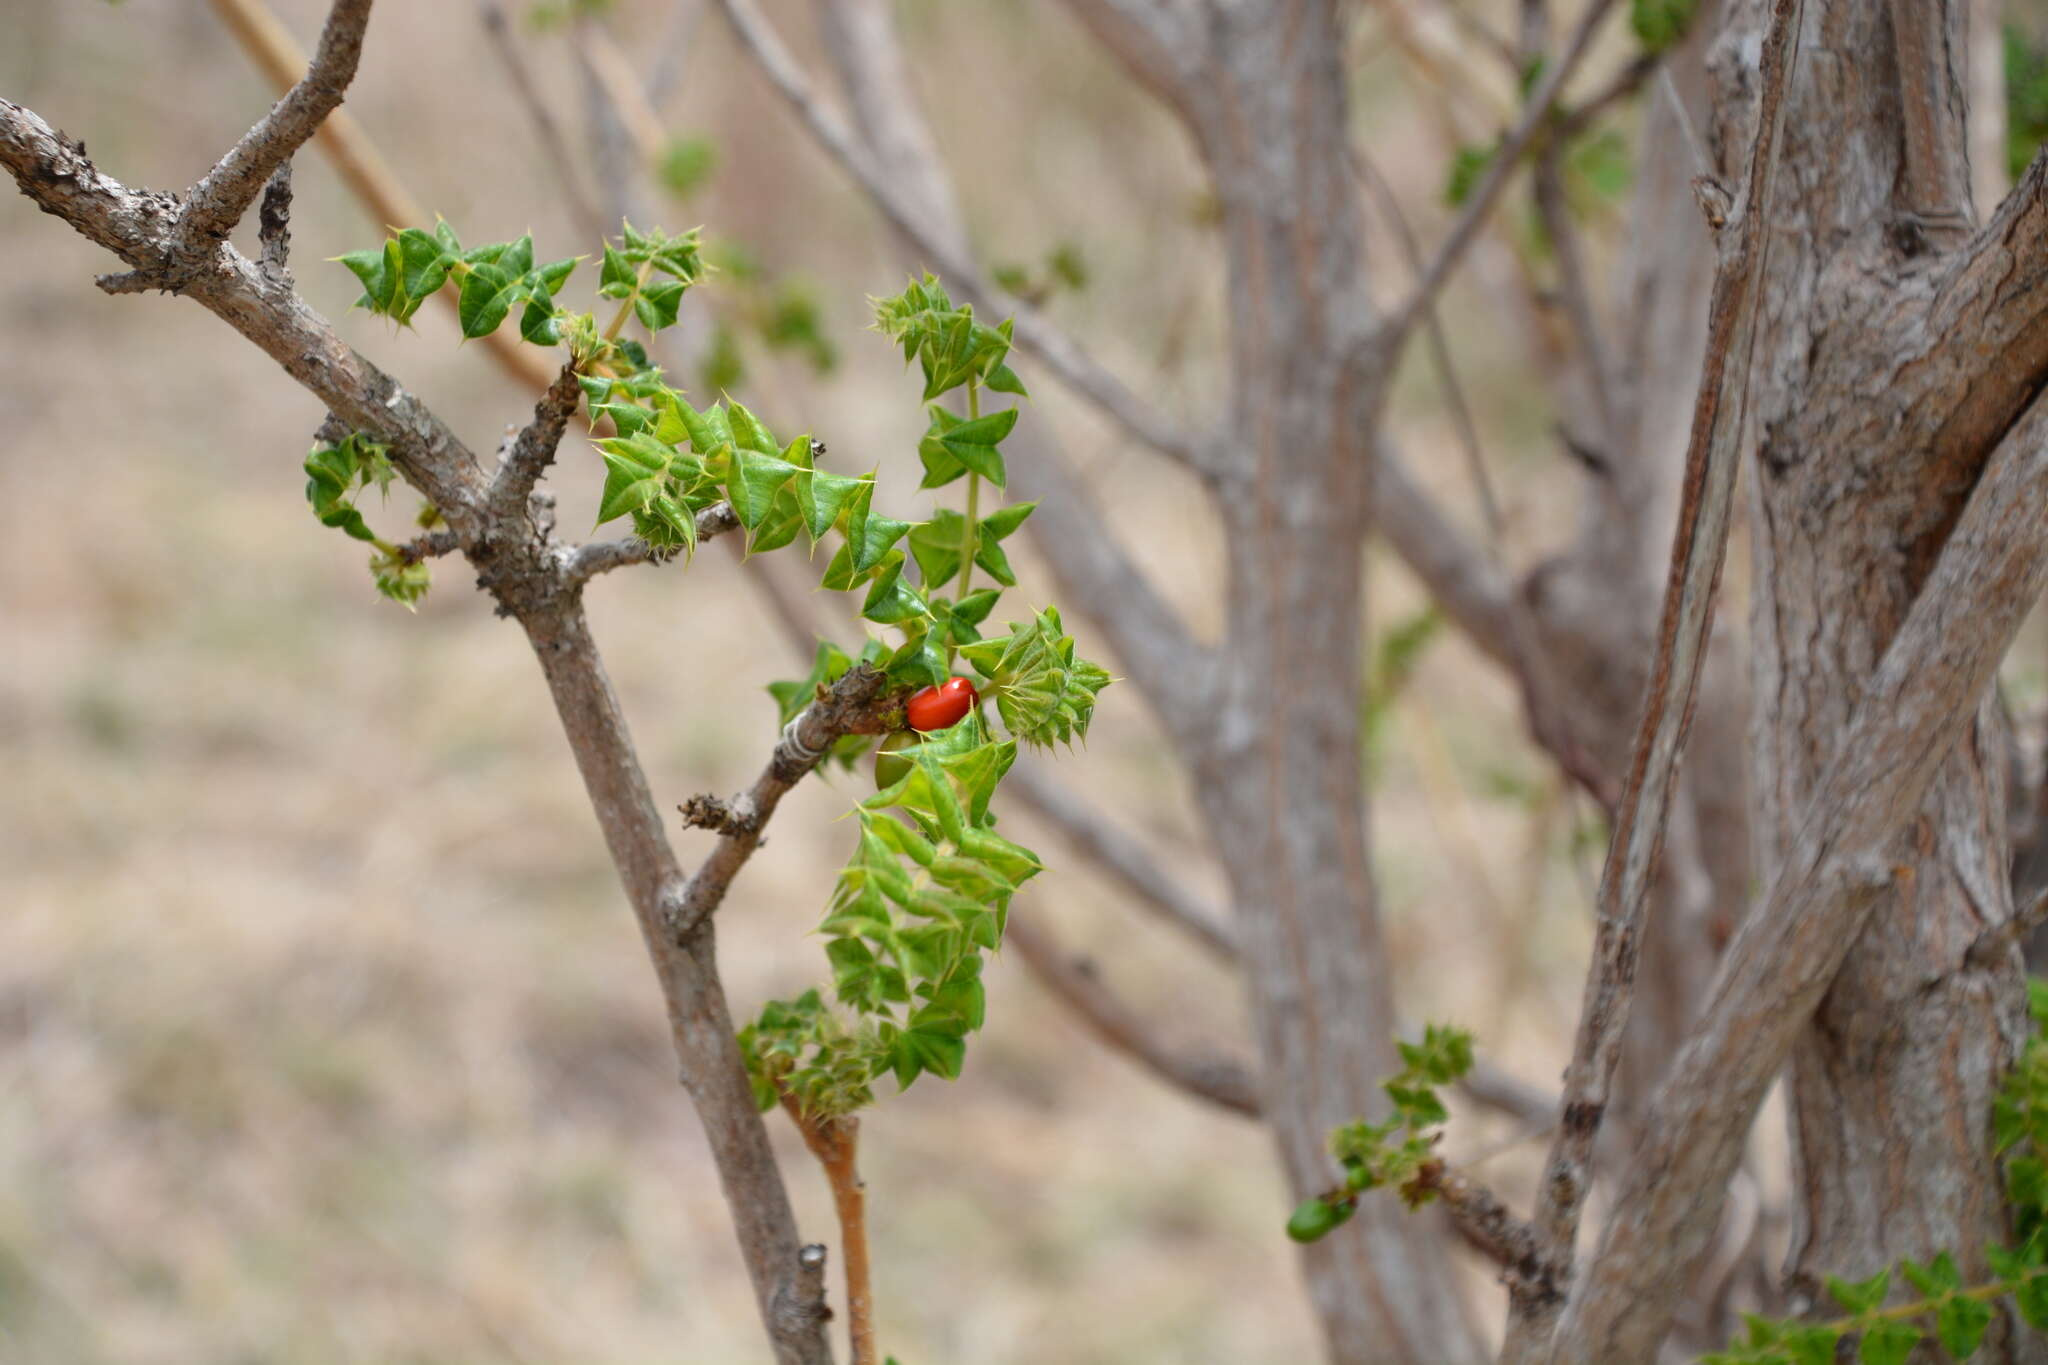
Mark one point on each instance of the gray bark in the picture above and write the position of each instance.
(1892, 1085)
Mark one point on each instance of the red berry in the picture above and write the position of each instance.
(935, 708)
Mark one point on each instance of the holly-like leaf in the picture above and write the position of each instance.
(1860, 1296)
(503, 275)
(825, 497)
(753, 482)
(1960, 1323)
(1044, 694)
(1888, 1343)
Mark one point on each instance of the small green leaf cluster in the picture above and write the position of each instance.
(802, 1048)
(1660, 25)
(926, 894)
(671, 461)
(914, 912)
(649, 272)
(946, 341)
(335, 474)
(2026, 98)
(927, 891)
(924, 897)
(686, 165)
(414, 264)
(1954, 1314)
(1044, 694)
(1395, 1151)
(1064, 268)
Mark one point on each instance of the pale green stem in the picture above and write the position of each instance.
(969, 535)
(618, 323)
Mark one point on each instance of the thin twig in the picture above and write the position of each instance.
(1476, 597)
(628, 97)
(857, 704)
(369, 180)
(1536, 115)
(835, 1142)
(1698, 550)
(1702, 164)
(1555, 213)
(225, 193)
(1481, 1218)
(1077, 984)
(1574, 122)
(586, 562)
(1483, 33)
(432, 545)
(534, 448)
(1053, 347)
(1439, 354)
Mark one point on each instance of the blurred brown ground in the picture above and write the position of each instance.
(324, 1033)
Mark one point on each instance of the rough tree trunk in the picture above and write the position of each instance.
(1863, 461)
(1280, 779)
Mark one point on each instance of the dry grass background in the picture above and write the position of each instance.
(324, 1033)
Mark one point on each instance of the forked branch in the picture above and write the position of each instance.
(857, 704)
(530, 577)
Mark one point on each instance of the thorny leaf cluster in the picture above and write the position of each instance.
(1953, 1313)
(1393, 1152)
(926, 894)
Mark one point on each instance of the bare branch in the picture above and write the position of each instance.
(1098, 577)
(671, 50)
(1535, 117)
(1126, 861)
(225, 193)
(136, 225)
(1921, 702)
(1626, 82)
(1054, 348)
(1471, 588)
(1508, 1094)
(1480, 1217)
(274, 227)
(355, 159)
(515, 562)
(1562, 228)
(855, 705)
(1075, 981)
(1156, 40)
(1712, 459)
(534, 449)
(789, 1293)
(432, 545)
(860, 38)
(586, 562)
